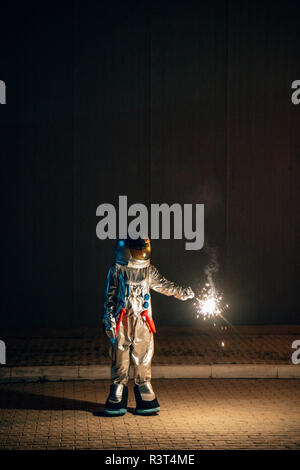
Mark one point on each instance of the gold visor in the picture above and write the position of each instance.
(141, 254)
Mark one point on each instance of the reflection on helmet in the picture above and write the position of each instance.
(140, 249)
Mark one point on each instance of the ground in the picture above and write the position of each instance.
(200, 344)
(195, 414)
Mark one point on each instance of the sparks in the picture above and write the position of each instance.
(209, 302)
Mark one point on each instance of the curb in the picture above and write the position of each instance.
(201, 371)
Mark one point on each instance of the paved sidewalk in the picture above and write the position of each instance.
(177, 345)
(200, 352)
(195, 414)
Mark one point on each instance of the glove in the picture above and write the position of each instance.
(113, 341)
(189, 293)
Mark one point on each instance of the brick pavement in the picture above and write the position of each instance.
(195, 414)
(177, 345)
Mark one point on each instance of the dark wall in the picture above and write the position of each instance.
(176, 101)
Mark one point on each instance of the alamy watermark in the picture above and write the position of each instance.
(2, 352)
(2, 92)
(296, 354)
(296, 94)
(188, 222)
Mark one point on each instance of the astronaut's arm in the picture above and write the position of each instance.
(160, 284)
(110, 302)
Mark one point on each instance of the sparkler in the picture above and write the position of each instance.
(209, 303)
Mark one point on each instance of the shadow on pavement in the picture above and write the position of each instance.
(17, 400)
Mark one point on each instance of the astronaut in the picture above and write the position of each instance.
(129, 324)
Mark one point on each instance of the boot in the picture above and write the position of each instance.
(146, 403)
(116, 403)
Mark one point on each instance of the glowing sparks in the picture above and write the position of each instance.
(209, 302)
(210, 306)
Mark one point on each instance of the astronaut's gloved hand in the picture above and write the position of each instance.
(113, 341)
(188, 293)
(110, 331)
(112, 337)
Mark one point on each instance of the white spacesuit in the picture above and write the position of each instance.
(129, 325)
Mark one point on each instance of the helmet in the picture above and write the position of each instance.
(140, 249)
(135, 253)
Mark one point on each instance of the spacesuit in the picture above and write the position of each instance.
(129, 325)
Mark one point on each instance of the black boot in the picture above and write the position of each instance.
(116, 403)
(145, 407)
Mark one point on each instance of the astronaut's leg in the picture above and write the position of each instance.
(141, 353)
(116, 403)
